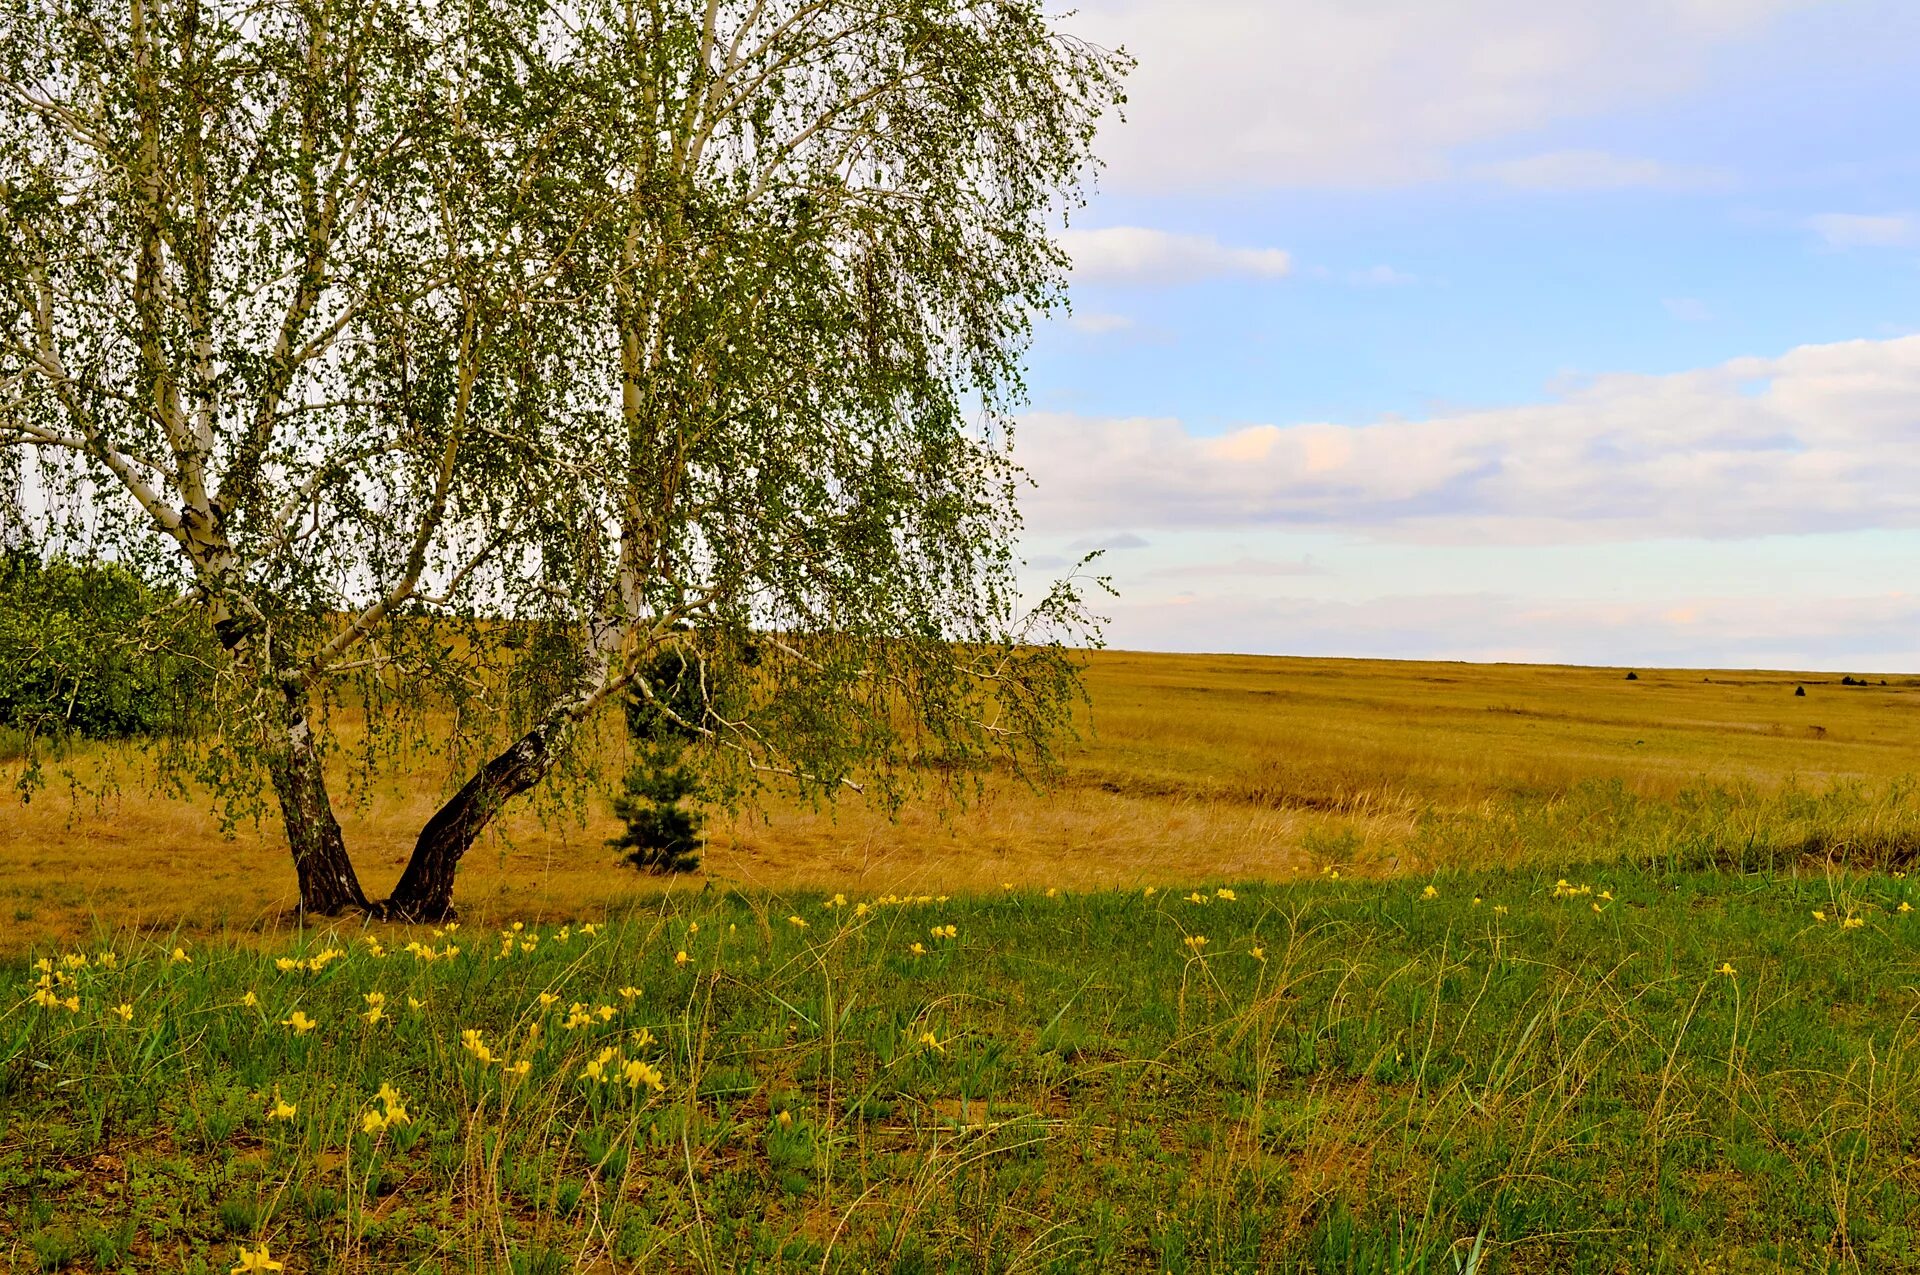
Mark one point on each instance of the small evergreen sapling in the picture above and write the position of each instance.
(662, 835)
(663, 831)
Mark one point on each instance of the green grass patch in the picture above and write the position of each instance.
(1636, 1069)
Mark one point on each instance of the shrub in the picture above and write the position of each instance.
(85, 649)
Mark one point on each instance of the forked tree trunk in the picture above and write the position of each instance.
(425, 889)
(328, 883)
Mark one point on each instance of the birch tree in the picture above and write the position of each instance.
(635, 328)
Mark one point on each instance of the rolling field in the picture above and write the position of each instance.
(1226, 766)
(1304, 966)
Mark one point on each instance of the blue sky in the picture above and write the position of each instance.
(1498, 330)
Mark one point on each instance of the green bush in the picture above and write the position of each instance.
(85, 650)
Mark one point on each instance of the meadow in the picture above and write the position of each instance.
(1236, 767)
(1302, 966)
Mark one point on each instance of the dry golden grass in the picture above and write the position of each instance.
(1222, 767)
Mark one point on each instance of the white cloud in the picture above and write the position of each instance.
(1817, 439)
(1259, 93)
(1578, 170)
(1136, 254)
(1857, 633)
(1855, 230)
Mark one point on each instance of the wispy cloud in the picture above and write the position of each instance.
(1137, 254)
(1859, 230)
(1245, 94)
(1688, 309)
(1238, 568)
(1099, 324)
(1381, 277)
(1586, 170)
(1106, 544)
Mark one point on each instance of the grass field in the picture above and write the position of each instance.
(1304, 966)
(1238, 767)
(1632, 1071)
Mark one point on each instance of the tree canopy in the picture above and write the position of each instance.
(594, 331)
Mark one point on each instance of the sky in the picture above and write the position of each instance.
(1580, 332)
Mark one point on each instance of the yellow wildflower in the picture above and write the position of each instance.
(372, 1122)
(638, 1073)
(1852, 923)
(250, 1000)
(837, 901)
(471, 1042)
(918, 949)
(180, 957)
(1259, 953)
(784, 1119)
(629, 993)
(797, 922)
(1499, 909)
(1226, 894)
(1905, 906)
(932, 1042)
(1052, 893)
(681, 957)
(1429, 893)
(520, 1068)
(282, 1109)
(548, 999)
(415, 1004)
(1476, 901)
(286, 964)
(71, 1004)
(1819, 916)
(1726, 969)
(1149, 892)
(125, 1011)
(1195, 942)
(109, 961)
(300, 1023)
(642, 1038)
(255, 1260)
